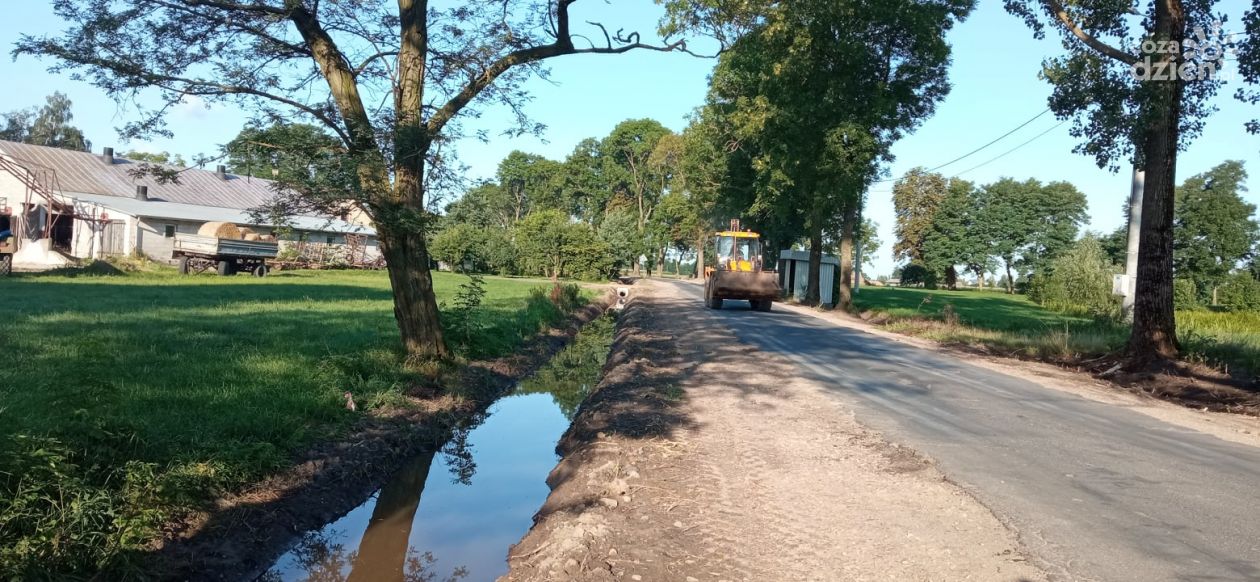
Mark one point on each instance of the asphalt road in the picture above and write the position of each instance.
(1095, 491)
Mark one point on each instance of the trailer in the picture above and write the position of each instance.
(227, 256)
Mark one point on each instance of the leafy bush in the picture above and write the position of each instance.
(1079, 280)
(462, 246)
(1185, 295)
(1240, 292)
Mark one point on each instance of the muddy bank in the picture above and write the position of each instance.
(245, 532)
(701, 458)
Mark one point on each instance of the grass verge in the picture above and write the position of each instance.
(1013, 325)
(128, 399)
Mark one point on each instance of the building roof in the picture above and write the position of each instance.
(199, 195)
(192, 212)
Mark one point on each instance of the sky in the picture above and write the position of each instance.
(993, 74)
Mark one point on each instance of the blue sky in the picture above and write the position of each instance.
(995, 88)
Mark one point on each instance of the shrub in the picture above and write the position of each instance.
(1240, 292)
(1185, 295)
(1079, 280)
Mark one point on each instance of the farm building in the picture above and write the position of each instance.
(794, 275)
(82, 205)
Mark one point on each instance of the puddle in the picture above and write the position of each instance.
(452, 514)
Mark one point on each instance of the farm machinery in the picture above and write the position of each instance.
(739, 272)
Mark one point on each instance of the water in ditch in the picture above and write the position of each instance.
(451, 514)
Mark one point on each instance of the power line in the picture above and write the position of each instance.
(1004, 154)
(993, 159)
(979, 149)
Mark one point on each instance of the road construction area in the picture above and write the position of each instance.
(741, 445)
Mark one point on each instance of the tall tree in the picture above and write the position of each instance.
(390, 79)
(1009, 223)
(916, 198)
(47, 126)
(1215, 230)
(1055, 217)
(823, 88)
(628, 152)
(531, 181)
(1138, 92)
(281, 151)
(958, 235)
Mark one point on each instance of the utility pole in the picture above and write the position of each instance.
(857, 254)
(1135, 230)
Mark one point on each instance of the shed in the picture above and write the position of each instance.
(794, 275)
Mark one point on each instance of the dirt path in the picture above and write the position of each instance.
(699, 458)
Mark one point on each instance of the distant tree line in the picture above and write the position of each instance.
(1030, 232)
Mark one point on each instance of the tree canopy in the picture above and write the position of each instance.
(1215, 229)
(47, 126)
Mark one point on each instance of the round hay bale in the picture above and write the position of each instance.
(253, 236)
(246, 231)
(268, 238)
(220, 230)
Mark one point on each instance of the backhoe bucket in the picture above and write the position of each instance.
(741, 285)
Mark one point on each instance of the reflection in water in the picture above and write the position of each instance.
(463, 521)
(569, 377)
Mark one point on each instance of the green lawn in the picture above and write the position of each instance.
(141, 392)
(1014, 324)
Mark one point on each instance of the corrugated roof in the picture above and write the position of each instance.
(199, 195)
(87, 173)
(177, 211)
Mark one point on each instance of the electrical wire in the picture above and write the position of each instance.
(1012, 150)
(979, 149)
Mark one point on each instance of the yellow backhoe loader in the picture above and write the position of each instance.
(739, 273)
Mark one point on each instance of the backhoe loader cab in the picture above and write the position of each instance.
(739, 274)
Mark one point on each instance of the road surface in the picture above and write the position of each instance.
(1095, 491)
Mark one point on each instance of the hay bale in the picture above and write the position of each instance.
(253, 236)
(268, 238)
(220, 230)
(246, 231)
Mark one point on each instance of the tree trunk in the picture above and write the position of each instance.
(415, 305)
(1153, 340)
(846, 258)
(812, 296)
(1010, 280)
(700, 257)
(951, 278)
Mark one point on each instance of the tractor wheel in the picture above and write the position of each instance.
(715, 303)
(261, 271)
(183, 265)
(227, 268)
(6, 265)
(763, 305)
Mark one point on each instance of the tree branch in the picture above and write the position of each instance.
(562, 46)
(1056, 8)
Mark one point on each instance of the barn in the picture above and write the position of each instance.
(81, 205)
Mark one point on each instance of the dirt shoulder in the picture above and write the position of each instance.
(699, 458)
(245, 532)
(1144, 397)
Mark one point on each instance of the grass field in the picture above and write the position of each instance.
(1013, 324)
(124, 397)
